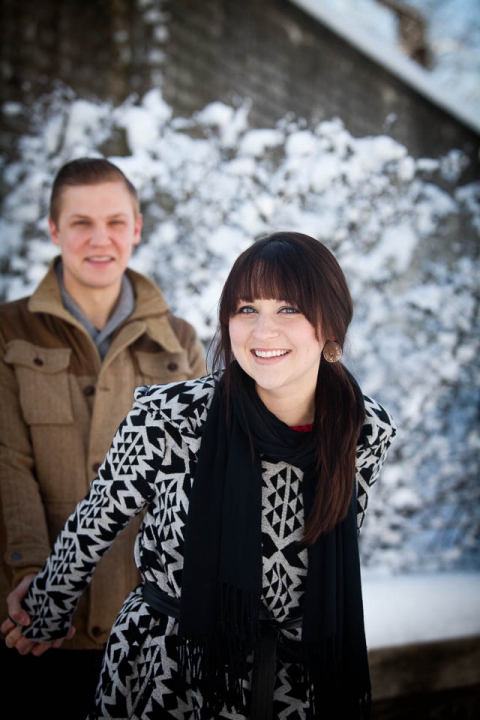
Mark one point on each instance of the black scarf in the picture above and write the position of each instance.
(222, 575)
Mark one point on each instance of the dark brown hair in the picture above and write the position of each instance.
(87, 171)
(298, 269)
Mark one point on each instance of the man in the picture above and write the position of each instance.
(71, 356)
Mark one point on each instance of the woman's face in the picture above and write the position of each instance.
(277, 346)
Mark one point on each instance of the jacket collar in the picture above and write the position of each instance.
(150, 314)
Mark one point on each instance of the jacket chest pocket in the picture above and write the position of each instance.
(163, 367)
(43, 382)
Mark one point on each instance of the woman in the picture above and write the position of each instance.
(251, 603)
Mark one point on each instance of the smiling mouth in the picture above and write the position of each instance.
(102, 259)
(270, 353)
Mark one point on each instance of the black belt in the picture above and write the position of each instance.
(263, 671)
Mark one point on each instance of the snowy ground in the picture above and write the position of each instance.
(420, 608)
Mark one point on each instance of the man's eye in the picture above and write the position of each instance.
(80, 223)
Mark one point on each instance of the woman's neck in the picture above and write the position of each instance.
(292, 411)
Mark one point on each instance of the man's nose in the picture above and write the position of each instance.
(100, 235)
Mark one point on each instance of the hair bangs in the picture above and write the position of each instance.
(267, 281)
(272, 271)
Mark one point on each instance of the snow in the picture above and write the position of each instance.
(420, 608)
(453, 35)
(216, 113)
(256, 142)
(374, 18)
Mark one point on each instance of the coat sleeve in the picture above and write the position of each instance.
(124, 486)
(23, 514)
(378, 432)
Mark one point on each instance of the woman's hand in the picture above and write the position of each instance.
(19, 618)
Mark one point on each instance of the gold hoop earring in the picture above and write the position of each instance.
(332, 352)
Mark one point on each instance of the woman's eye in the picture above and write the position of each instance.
(289, 310)
(245, 310)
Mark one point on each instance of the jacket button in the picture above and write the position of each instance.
(96, 467)
(38, 361)
(89, 390)
(172, 366)
(96, 631)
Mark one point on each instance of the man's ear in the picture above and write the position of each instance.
(137, 231)
(53, 231)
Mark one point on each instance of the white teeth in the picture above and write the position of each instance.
(99, 259)
(270, 353)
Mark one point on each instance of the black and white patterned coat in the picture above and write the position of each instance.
(150, 466)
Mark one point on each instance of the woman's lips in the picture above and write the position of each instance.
(267, 354)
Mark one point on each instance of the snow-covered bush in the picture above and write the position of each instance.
(403, 233)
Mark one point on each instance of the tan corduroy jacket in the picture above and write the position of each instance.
(60, 406)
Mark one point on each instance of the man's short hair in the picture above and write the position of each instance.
(87, 171)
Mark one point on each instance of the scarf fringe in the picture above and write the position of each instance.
(326, 702)
(217, 663)
(239, 616)
(328, 690)
(365, 705)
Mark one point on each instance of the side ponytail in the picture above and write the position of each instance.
(339, 415)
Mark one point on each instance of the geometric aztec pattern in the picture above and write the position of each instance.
(150, 467)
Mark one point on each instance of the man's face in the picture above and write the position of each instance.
(96, 232)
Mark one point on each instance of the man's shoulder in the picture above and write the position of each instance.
(15, 315)
(182, 328)
(45, 298)
(149, 299)
(13, 308)
(29, 318)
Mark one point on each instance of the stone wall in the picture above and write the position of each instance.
(285, 61)
(267, 50)
(96, 47)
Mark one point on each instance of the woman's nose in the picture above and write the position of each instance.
(265, 327)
